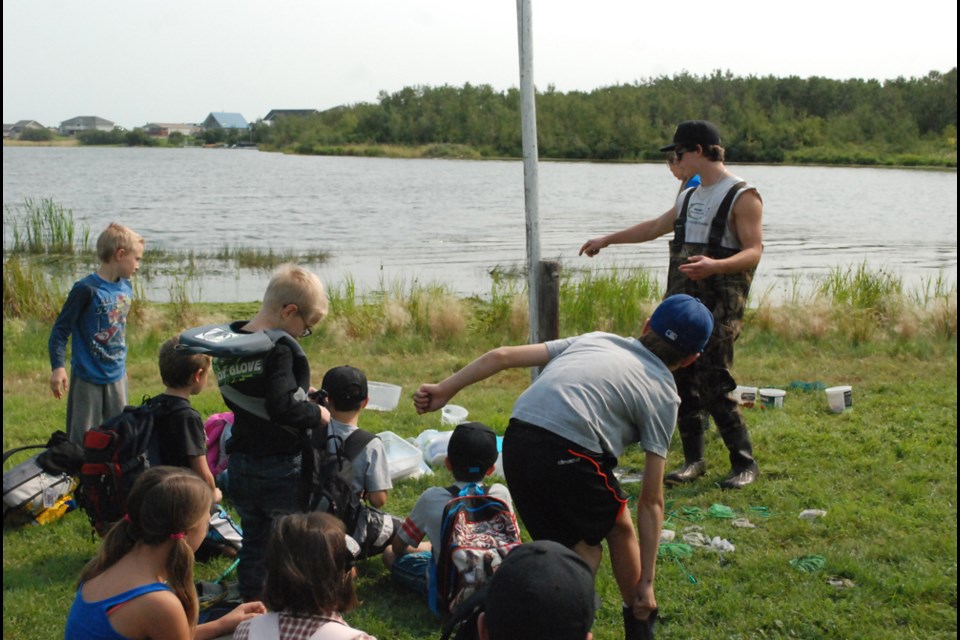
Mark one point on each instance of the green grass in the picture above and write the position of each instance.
(885, 472)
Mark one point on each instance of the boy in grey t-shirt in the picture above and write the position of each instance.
(347, 395)
(597, 393)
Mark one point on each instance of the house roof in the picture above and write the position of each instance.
(283, 113)
(227, 120)
(87, 121)
(27, 124)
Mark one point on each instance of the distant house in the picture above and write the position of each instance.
(84, 123)
(271, 117)
(164, 129)
(222, 120)
(19, 127)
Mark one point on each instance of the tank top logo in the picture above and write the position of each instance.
(697, 213)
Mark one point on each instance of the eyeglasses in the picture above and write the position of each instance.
(306, 327)
(678, 153)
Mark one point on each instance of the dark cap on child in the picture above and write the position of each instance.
(542, 591)
(346, 387)
(472, 450)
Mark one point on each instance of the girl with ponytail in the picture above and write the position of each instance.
(140, 584)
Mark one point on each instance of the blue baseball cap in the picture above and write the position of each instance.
(684, 322)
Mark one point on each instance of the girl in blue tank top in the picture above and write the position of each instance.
(140, 584)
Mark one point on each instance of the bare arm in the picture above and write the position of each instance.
(199, 465)
(747, 223)
(643, 232)
(375, 498)
(430, 397)
(649, 522)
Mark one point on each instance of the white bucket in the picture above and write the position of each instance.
(452, 415)
(383, 396)
(839, 398)
(772, 398)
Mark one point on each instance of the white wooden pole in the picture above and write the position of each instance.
(528, 122)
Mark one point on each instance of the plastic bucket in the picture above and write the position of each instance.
(772, 398)
(452, 415)
(383, 396)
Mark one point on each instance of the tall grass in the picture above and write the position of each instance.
(28, 294)
(45, 227)
(269, 258)
(617, 301)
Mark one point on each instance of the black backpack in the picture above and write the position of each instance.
(327, 484)
(115, 454)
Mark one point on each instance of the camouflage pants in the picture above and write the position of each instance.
(704, 385)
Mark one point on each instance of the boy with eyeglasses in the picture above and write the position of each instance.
(268, 394)
(717, 244)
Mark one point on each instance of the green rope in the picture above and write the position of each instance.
(718, 510)
(676, 551)
(809, 564)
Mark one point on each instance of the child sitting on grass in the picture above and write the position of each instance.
(471, 456)
(306, 592)
(347, 395)
(140, 584)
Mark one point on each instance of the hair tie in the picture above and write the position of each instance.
(178, 536)
(127, 519)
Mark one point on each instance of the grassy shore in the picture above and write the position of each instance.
(884, 472)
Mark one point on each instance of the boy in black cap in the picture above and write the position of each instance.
(345, 388)
(717, 244)
(597, 393)
(542, 591)
(471, 456)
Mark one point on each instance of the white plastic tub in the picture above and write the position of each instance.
(403, 458)
(383, 396)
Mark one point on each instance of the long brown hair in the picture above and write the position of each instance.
(163, 503)
(309, 569)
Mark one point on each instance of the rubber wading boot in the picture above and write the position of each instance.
(694, 465)
(744, 468)
(634, 629)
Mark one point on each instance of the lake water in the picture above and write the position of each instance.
(452, 222)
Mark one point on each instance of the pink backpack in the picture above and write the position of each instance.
(218, 427)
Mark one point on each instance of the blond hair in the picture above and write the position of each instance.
(292, 284)
(115, 237)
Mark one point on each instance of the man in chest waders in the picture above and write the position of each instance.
(717, 243)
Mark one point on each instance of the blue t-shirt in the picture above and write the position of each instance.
(692, 182)
(95, 315)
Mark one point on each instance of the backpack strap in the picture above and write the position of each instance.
(9, 453)
(356, 442)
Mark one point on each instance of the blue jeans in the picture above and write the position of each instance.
(262, 490)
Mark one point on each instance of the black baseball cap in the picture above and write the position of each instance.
(472, 450)
(542, 591)
(346, 387)
(691, 133)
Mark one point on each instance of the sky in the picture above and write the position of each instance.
(135, 62)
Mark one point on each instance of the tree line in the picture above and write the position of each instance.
(910, 122)
(763, 119)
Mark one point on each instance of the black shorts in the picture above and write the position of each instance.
(561, 491)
